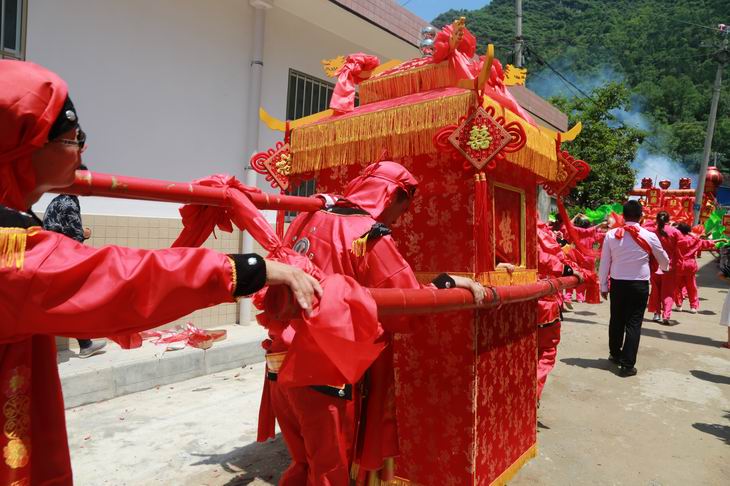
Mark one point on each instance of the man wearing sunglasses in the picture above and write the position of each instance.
(51, 285)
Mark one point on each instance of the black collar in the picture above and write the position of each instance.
(12, 218)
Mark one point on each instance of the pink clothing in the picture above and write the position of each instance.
(588, 237)
(688, 248)
(547, 350)
(624, 259)
(688, 283)
(670, 242)
(661, 298)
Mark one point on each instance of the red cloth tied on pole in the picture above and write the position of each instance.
(327, 347)
(466, 66)
(460, 55)
(496, 90)
(200, 221)
(357, 67)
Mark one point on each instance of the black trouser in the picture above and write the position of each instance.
(84, 343)
(628, 304)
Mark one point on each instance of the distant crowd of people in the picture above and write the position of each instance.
(643, 263)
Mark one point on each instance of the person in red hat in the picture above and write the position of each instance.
(52, 285)
(330, 426)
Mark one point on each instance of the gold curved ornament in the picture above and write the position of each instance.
(486, 67)
(280, 125)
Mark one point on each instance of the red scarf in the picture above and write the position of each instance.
(633, 231)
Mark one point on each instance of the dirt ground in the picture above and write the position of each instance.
(669, 425)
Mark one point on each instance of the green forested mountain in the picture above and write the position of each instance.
(661, 49)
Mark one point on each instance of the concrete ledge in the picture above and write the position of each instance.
(119, 372)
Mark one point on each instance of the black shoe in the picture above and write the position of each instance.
(665, 322)
(626, 371)
(613, 359)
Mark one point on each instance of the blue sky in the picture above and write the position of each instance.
(428, 9)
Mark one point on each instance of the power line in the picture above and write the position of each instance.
(557, 73)
(716, 29)
(587, 97)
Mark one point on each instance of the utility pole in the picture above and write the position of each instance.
(518, 34)
(722, 56)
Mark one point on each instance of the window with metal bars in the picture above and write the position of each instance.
(306, 95)
(12, 29)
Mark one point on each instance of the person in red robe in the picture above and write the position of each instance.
(663, 284)
(688, 247)
(321, 422)
(552, 263)
(588, 237)
(52, 285)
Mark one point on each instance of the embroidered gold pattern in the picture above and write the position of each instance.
(234, 275)
(506, 237)
(16, 412)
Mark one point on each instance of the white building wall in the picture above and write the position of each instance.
(292, 42)
(161, 85)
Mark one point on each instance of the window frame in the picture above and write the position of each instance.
(324, 89)
(292, 91)
(21, 31)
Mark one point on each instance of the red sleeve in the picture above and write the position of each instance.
(707, 245)
(384, 267)
(69, 289)
(550, 256)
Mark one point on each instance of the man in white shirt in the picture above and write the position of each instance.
(625, 260)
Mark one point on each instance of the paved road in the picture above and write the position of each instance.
(669, 425)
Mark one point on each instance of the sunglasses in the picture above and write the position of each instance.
(80, 140)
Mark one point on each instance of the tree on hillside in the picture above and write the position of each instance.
(607, 145)
(661, 48)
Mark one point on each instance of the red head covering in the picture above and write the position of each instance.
(376, 188)
(31, 97)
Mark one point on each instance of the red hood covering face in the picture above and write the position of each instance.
(31, 97)
(375, 189)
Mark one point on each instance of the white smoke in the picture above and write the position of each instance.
(650, 161)
(546, 83)
(659, 167)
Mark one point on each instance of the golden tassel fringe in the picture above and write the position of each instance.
(502, 480)
(538, 155)
(408, 81)
(402, 130)
(13, 242)
(408, 130)
(510, 472)
(495, 278)
(372, 477)
(360, 245)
